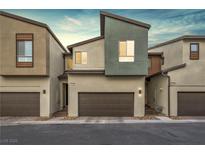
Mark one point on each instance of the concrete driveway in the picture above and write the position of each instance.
(105, 134)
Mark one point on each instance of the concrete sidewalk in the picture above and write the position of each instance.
(6, 121)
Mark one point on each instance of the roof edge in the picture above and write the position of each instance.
(129, 20)
(70, 47)
(37, 23)
(100, 71)
(155, 54)
(178, 39)
(167, 70)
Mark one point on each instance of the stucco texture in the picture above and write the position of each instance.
(157, 90)
(115, 31)
(100, 83)
(95, 55)
(191, 78)
(173, 54)
(29, 84)
(48, 64)
(9, 28)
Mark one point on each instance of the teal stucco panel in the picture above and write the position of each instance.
(117, 30)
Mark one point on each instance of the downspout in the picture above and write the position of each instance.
(168, 77)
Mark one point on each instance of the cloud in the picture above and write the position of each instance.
(74, 29)
(72, 26)
(174, 25)
(73, 21)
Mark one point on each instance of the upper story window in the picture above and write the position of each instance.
(24, 50)
(194, 51)
(126, 51)
(80, 57)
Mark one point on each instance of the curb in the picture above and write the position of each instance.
(102, 122)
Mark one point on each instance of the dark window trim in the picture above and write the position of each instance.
(25, 64)
(191, 58)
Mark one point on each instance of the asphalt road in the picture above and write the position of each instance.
(104, 134)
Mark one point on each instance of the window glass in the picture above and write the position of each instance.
(122, 50)
(84, 58)
(69, 63)
(130, 48)
(126, 51)
(194, 47)
(78, 58)
(81, 57)
(24, 51)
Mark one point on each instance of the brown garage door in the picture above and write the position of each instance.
(191, 103)
(19, 104)
(106, 104)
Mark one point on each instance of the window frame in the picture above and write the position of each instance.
(25, 64)
(81, 57)
(194, 52)
(126, 52)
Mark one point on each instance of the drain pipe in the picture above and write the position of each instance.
(168, 77)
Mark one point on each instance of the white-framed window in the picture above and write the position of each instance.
(81, 57)
(126, 51)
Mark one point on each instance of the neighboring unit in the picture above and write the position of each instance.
(106, 74)
(179, 89)
(31, 59)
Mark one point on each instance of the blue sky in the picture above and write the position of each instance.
(72, 26)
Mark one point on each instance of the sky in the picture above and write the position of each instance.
(72, 26)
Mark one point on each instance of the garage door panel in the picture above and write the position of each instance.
(20, 103)
(191, 103)
(106, 104)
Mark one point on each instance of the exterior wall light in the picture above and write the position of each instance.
(140, 92)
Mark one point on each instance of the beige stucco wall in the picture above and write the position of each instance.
(191, 77)
(95, 55)
(173, 54)
(100, 83)
(157, 92)
(48, 60)
(56, 69)
(29, 84)
(9, 28)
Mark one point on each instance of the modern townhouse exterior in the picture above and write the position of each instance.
(109, 75)
(106, 74)
(31, 59)
(179, 88)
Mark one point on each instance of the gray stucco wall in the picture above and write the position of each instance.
(115, 31)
